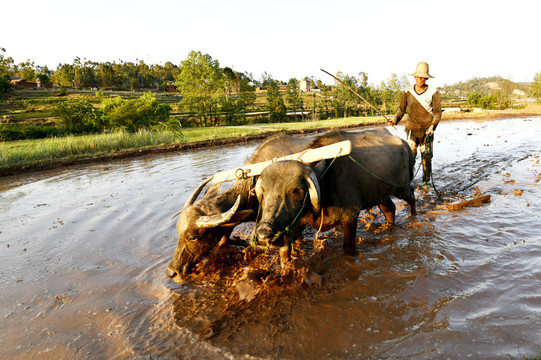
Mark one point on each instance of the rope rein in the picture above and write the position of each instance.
(376, 176)
(289, 228)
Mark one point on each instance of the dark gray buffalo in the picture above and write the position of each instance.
(293, 194)
(203, 223)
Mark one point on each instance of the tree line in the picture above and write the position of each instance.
(213, 95)
(84, 74)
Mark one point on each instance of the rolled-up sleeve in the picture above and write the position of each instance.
(401, 108)
(436, 109)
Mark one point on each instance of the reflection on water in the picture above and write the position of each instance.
(84, 251)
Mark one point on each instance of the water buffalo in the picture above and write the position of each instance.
(323, 195)
(203, 223)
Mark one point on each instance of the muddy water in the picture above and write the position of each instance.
(83, 253)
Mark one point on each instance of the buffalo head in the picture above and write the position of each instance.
(201, 225)
(285, 190)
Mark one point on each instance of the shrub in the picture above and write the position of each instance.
(4, 83)
(277, 110)
(172, 125)
(10, 133)
(75, 116)
(144, 112)
(231, 110)
(62, 92)
(474, 99)
(261, 120)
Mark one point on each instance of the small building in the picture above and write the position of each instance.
(304, 85)
(14, 80)
(17, 81)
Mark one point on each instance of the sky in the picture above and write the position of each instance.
(460, 39)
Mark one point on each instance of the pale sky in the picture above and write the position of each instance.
(286, 38)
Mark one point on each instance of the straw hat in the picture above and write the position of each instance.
(422, 70)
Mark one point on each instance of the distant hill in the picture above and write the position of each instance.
(485, 86)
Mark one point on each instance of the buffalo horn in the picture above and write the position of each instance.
(218, 219)
(196, 193)
(314, 191)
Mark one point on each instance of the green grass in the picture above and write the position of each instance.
(210, 133)
(31, 152)
(20, 154)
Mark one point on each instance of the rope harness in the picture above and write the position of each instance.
(289, 229)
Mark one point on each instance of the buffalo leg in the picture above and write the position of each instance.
(349, 226)
(409, 197)
(388, 209)
(285, 257)
(285, 251)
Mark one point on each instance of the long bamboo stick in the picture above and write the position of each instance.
(356, 93)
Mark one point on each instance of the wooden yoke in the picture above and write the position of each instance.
(307, 156)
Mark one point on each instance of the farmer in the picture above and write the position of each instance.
(422, 103)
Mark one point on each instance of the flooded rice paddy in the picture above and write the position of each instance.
(83, 254)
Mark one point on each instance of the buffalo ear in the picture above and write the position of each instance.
(314, 191)
(319, 168)
(210, 221)
(242, 215)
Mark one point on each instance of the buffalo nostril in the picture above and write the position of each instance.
(264, 232)
(171, 273)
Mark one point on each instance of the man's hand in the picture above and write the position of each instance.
(430, 130)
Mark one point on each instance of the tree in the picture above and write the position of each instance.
(27, 70)
(44, 75)
(75, 116)
(164, 74)
(133, 83)
(277, 107)
(294, 97)
(5, 65)
(106, 76)
(273, 91)
(64, 75)
(489, 102)
(201, 84)
(4, 82)
(266, 80)
(231, 110)
(143, 75)
(474, 99)
(389, 93)
(278, 110)
(535, 87)
(246, 93)
(344, 98)
(231, 82)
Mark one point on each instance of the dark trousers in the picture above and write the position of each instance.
(418, 138)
